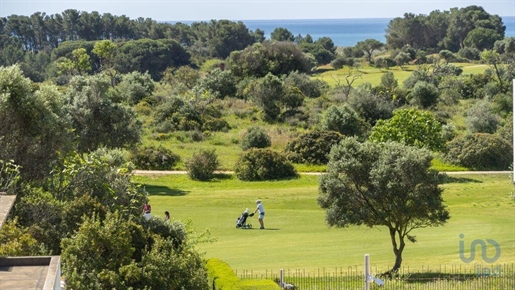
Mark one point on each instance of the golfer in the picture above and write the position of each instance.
(261, 210)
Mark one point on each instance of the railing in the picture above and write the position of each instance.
(491, 277)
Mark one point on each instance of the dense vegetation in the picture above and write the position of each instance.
(84, 97)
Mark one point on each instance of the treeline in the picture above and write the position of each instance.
(38, 41)
(469, 27)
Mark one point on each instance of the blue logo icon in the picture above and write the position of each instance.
(483, 245)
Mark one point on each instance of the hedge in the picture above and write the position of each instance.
(223, 277)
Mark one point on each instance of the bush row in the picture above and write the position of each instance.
(222, 277)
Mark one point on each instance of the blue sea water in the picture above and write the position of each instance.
(343, 32)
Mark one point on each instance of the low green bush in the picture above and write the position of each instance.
(255, 137)
(263, 164)
(312, 147)
(480, 151)
(154, 158)
(222, 277)
(202, 165)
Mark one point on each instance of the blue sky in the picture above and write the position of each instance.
(176, 10)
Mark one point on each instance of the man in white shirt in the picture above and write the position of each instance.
(261, 210)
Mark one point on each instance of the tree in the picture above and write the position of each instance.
(34, 128)
(482, 38)
(134, 87)
(481, 118)
(220, 37)
(267, 93)
(105, 51)
(98, 120)
(411, 127)
(493, 58)
(401, 59)
(282, 34)
(424, 95)
(345, 120)
(273, 57)
(465, 20)
(369, 46)
(386, 184)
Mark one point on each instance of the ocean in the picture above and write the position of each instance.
(343, 32)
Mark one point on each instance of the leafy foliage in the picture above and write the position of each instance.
(410, 127)
(202, 165)
(345, 120)
(481, 118)
(15, 241)
(424, 95)
(387, 184)
(34, 126)
(312, 147)
(263, 164)
(480, 151)
(154, 158)
(97, 119)
(277, 58)
(255, 137)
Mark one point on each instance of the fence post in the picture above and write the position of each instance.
(367, 271)
(281, 278)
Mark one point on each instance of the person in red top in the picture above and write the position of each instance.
(147, 209)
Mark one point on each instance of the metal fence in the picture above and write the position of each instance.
(488, 277)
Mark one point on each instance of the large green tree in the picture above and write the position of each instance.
(410, 127)
(34, 129)
(97, 119)
(382, 185)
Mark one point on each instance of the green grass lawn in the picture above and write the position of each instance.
(373, 75)
(297, 237)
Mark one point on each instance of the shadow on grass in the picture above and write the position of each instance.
(163, 190)
(454, 179)
(432, 277)
(428, 277)
(223, 176)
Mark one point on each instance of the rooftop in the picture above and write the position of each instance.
(26, 273)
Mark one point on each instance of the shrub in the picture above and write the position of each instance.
(222, 277)
(263, 164)
(255, 137)
(312, 147)
(202, 165)
(480, 151)
(154, 158)
(216, 125)
(424, 94)
(345, 120)
(481, 118)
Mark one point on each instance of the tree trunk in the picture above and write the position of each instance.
(398, 247)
